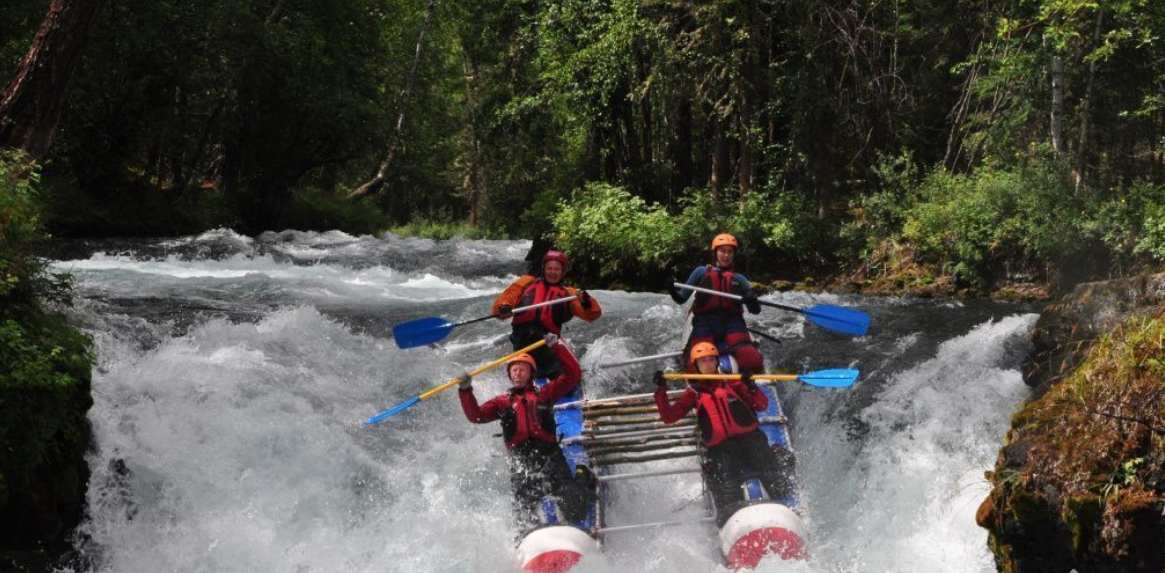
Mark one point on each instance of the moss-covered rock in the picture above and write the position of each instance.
(1080, 483)
(1067, 328)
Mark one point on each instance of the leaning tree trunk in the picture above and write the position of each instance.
(374, 185)
(31, 104)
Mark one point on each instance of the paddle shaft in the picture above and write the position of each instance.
(481, 369)
(682, 376)
(522, 309)
(735, 296)
(416, 399)
(641, 360)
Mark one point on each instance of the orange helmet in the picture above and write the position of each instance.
(702, 350)
(724, 239)
(520, 359)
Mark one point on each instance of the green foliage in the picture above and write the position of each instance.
(313, 209)
(610, 228)
(445, 230)
(966, 223)
(618, 233)
(19, 226)
(1152, 241)
(44, 383)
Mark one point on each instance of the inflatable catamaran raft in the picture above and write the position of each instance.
(605, 436)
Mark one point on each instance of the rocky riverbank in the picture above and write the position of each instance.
(1080, 482)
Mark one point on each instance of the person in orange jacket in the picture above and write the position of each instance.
(538, 468)
(531, 325)
(726, 415)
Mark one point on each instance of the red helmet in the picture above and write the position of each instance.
(559, 256)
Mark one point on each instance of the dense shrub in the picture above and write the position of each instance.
(316, 210)
(1021, 215)
(44, 381)
(618, 236)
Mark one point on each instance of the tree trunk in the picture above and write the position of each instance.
(1057, 116)
(745, 146)
(682, 149)
(1082, 148)
(474, 187)
(374, 185)
(31, 104)
(720, 168)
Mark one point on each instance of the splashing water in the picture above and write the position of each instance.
(235, 373)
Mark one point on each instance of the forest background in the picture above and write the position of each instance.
(900, 146)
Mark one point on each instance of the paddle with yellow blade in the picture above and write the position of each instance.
(425, 396)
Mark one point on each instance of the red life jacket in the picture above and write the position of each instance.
(528, 418)
(721, 280)
(550, 317)
(722, 414)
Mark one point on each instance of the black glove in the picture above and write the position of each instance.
(750, 302)
(466, 381)
(505, 310)
(660, 381)
(586, 300)
(675, 293)
(746, 378)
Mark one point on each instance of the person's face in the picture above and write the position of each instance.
(553, 271)
(724, 255)
(708, 364)
(520, 374)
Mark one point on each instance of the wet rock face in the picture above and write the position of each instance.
(1080, 483)
(1068, 327)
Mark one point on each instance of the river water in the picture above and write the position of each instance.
(235, 373)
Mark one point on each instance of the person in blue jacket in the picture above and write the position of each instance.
(720, 319)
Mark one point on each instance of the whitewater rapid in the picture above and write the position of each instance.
(235, 374)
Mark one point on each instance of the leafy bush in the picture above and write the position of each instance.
(1152, 242)
(620, 236)
(45, 380)
(967, 223)
(441, 230)
(313, 209)
(19, 225)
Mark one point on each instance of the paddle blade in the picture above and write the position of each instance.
(421, 331)
(830, 378)
(394, 410)
(839, 319)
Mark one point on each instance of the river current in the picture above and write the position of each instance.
(235, 374)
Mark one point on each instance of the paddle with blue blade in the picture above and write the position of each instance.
(840, 378)
(835, 318)
(425, 396)
(432, 329)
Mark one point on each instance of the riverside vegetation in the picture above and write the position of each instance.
(936, 147)
(44, 385)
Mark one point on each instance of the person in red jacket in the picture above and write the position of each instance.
(720, 319)
(530, 325)
(538, 467)
(726, 415)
